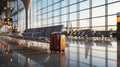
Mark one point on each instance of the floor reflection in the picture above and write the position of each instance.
(40, 60)
(92, 53)
(79, 53)
(4, 49)
(27, 57)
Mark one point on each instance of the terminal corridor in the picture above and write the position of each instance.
(59, 33)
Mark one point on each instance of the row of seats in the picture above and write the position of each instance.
(39, 34)
(89, 33)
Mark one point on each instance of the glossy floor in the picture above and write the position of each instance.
(79, 53)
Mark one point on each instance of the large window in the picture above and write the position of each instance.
(64, 10)
(99, 11)
(44, 2)
(73, 1)
(84, 14)
(98, 21)
(73, 8)
(95, 14)
(112, 20)
(64, 3)
(84, 5)
(64, 18)
(84, 23)
(114, 8)
(109, 1)
(97, 2)
(56, 12)
(73, 16)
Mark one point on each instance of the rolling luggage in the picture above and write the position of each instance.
(57, 42)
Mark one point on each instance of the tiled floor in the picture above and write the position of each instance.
(79, 53)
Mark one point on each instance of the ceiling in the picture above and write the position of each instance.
(3, 3)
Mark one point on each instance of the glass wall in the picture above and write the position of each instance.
(80, 14)
(18, 15)
(76, 14)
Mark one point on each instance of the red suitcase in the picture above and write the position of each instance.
(57, 42)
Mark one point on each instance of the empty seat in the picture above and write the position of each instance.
(38, 34)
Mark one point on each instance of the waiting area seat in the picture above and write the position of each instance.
(89, 33)
(39, 34)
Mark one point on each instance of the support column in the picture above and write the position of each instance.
(27, 4)
(26, 23)
(90, 14)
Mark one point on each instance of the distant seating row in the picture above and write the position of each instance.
(39, 34)
(89, 33)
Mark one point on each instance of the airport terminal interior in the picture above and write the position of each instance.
(59, 33)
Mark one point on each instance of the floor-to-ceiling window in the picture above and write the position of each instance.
(77, 14)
